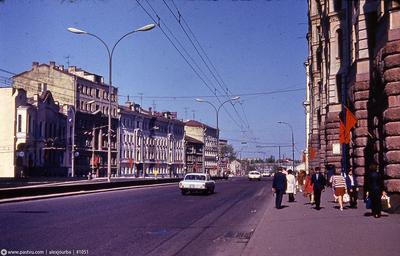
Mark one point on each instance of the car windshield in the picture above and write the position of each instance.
(195, 177)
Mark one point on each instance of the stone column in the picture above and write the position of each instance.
(391, 116)
(360, 134)
(332, 137)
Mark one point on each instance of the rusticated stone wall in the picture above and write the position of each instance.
(332, 137)
(314, 162)
(390, 59)
(361, 137)
(322, 146)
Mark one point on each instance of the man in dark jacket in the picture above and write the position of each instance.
(279, 187)
(352, 188)
(318, 181)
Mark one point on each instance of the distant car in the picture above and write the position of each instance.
(197, 182)
(266, 174)
(254, 175)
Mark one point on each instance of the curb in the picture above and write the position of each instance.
(42, 192)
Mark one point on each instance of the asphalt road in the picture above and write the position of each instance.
(148, 221)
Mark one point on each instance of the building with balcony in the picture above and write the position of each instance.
(194, 154)
(354, 63)
(151, 143)
(208, 136)
(81, 94)
(223, 161)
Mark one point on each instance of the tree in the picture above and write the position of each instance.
(228, 151)
(270, 159)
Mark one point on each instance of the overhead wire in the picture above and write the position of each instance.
(213, 90)
(212, 96)
(226, 90)
(199, 54)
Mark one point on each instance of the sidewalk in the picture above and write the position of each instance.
(299, 229)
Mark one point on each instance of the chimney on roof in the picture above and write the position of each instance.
(71, 68)
(35, 64)
(129, 104)
(52, 64)
(137, 107)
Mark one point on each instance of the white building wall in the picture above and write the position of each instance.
(10, 98)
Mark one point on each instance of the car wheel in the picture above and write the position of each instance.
(183, 191)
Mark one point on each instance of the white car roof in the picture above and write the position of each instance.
(196, 173)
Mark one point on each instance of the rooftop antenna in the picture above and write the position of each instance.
(67, 58)
(141, 98)
(186, 112)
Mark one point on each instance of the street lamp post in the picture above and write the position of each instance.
(217, 114)
(291, 128)
(72, 109)
(110, 55)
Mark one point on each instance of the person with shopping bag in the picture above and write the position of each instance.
(352, 188)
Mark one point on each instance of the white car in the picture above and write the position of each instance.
(254, 175)
(197, 182)
(266, 174)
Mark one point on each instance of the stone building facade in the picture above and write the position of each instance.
(32, 135)
(354, 61)
(194, 154)
(81, 94)
(151, 143)
(208, 136)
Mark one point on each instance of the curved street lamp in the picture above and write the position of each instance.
(217, 109)
(291, 128)
(110, 56)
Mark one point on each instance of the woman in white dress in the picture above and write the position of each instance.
(291, 185)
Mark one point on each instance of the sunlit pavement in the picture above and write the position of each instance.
(299, 229)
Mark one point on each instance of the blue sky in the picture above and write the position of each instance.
(255, 46)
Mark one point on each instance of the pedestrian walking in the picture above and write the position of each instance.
(300, 180)
(318, 181)
(339, 185)
(308, 188)
(352, 188)
(375, 189)
(279, 184)
(290, 186)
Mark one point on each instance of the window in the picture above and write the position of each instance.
(29, 121)
(19, 123)
(339, 38)
(337, 5)
(339, 87)
(97, 93)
